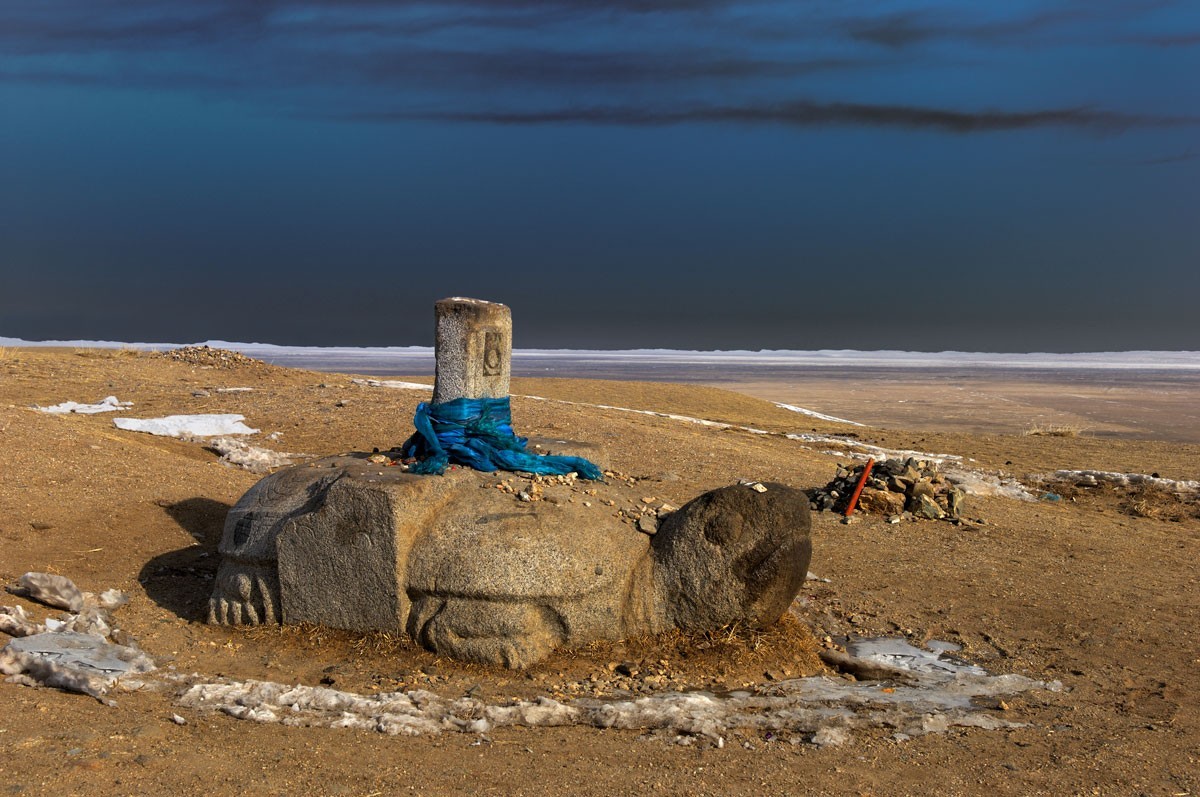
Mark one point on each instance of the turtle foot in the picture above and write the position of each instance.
(512, 635)
(244, 594)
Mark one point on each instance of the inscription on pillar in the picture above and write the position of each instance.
(493, 353)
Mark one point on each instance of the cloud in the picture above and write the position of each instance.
(540, 62)
(909, 28)
(1168, 39)
(1182, 157)
(802, 113)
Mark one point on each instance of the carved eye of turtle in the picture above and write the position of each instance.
(241, 532)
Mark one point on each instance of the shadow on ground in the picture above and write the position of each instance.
(180, 581)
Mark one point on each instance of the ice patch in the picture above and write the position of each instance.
(106, 404)
(180, 425)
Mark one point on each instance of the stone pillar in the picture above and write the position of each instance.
(473, 349)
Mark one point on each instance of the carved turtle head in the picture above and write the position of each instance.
(736, 554)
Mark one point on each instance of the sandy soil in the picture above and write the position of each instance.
(1089, 591)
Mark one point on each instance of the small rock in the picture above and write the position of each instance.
(954, 501)
(883, 502)
(178, 720)
(926, 507)
(524, 496)
(200, 394)
(648, 524)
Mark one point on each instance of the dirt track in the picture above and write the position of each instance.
(1081, 591)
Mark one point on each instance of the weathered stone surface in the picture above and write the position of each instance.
(734, 554)
(475, 574)
(882, 502)
(954, 502)
(473, 344)
(924, 506)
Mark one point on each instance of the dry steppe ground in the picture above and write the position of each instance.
(1096, 590)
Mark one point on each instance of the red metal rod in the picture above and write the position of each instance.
(862, 480)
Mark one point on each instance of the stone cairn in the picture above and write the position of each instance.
(896, 488)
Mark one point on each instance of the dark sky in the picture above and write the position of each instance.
(805, 174)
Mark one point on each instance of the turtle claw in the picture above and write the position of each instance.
(509, 634)
(244, 595)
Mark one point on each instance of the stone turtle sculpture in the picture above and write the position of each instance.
(470, 572)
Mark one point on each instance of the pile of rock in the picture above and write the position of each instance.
(208, 357)
(894, 488)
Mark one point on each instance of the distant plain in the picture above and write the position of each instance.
(1129, 404)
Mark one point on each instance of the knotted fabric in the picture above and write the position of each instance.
(478, 433)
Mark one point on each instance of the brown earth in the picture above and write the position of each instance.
(1097, 592)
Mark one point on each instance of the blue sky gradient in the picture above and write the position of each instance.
(690, 173)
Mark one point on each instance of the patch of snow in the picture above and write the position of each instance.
(243, 455)
(50, 589)
(822, 709)
(897, 653)
(106, 404)
(73, 654)
(234, 389)
(391, 383)
(1094, 477)
(180, 425)
(815, 414)
(70, 660)
(859, 450)
(15, 621)
(977, 482)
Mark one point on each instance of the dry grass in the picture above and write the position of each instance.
(1157, 503)
(1054, 430)
(1142, 501)
(4, 353)
(106, 354)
